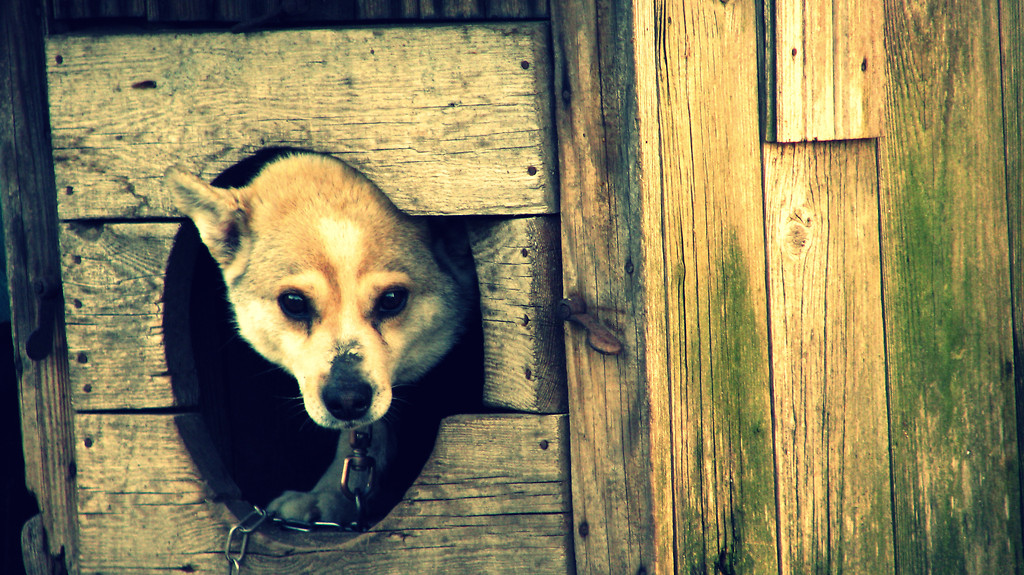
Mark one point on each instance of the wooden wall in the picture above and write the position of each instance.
(821, 207)
(888, 282)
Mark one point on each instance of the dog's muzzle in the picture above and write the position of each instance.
(347, 395)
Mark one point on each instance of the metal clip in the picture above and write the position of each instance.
(358, 462)
(244, 527)
(599, 338)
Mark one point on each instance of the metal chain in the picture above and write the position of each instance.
(359, 463)
(244, 527)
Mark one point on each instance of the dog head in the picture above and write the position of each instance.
(328, 279)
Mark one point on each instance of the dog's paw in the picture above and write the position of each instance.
(308, 507)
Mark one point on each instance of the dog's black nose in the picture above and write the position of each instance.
(348, 401)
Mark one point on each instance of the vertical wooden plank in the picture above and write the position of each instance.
(831, 437)
(30, 224)
(517, 9)
(604, 93)
(459, 9)
(179, 10)
(947, 292)
(715, 296)
(78, 9)
(1011, 28)
(828, 70)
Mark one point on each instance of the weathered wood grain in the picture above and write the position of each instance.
(828, 358)
(33, 259)
(445, 119)
(493, 498)
(827, 70)
(947, 292)
(621, 500)
(715, 298)
(519, 270)
(120, 317)
(277, 13)
(82, 9)
(1011, 28)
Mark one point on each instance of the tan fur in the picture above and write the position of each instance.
(312, 225)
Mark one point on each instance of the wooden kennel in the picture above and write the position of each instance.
(801, 220)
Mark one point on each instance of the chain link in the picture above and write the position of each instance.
(250, 523)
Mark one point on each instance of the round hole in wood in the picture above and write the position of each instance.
(255, 435)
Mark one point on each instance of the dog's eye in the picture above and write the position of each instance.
(294, 305)
(391, 302)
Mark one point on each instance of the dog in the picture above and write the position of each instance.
(332, 282)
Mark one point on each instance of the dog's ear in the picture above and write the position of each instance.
(218, 213)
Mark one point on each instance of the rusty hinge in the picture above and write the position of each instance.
(573, 309)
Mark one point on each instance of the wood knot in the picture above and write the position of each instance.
(799, 231)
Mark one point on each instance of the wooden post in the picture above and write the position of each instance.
(662, 235)
(604, 115)
(30, 223)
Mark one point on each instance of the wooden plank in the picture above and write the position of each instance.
(828, 358)
(120, 317)
(1011, 28)
(517, 9)
(180, 10)
(947, 292)
(446, 119)
(608, 170)
(276, 13)
(459, 9)
(89, 9)
(519, 271)
(30, 241)
(493, 498)
(826, 70)
(715, 293)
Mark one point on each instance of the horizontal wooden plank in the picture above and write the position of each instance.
(445, 119)
(827, 72)
(117, 329)
(520, 274)
(493, 498)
